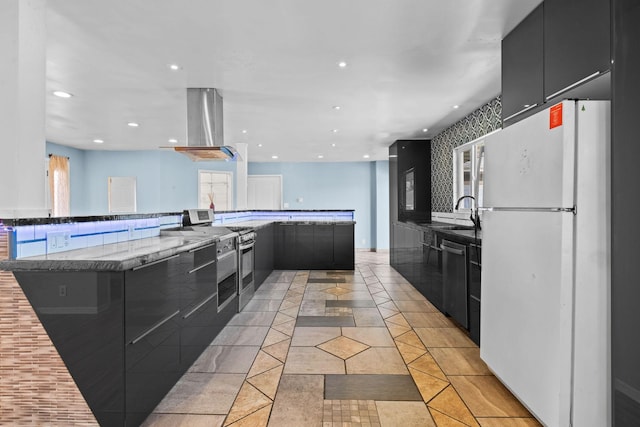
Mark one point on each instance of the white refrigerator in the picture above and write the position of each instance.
(545, 302)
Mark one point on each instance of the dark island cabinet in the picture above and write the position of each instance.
(523, 66)
(264, 254)
(577, 39)
(475, 270)
(343, 244)
(314, 246)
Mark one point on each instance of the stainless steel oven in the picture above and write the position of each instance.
(227, 271)
(246, 258)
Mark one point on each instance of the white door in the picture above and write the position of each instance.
(264, 192)
(216, 188)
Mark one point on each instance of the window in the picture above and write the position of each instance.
(59, 189)
(215, 188)
(468, 172)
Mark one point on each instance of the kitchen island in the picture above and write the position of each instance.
(127, 319)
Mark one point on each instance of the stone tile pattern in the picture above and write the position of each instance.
(485, 119)
(285, 384)
(33, 379)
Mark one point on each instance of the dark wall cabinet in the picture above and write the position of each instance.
(314, 246)
(411, 189)
(577, 39)
(523, 65)
(557, 51)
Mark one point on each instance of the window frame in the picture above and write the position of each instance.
(476, 189)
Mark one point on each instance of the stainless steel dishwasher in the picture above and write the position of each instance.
(454, 266)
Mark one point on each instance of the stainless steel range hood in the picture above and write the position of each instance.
(205, 136)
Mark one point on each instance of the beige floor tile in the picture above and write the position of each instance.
(444, 337)
(416, 306)
(380, 299)
(183, 420)
(398, 319)
(385, 313)
(361, 295)
(299, 401)
(262, 305)
(377, 360)
(509, 422)
(267, 382)
(226, 359)
(281, 318)
(487, 397)
(449, 403)
(260, 418)
(311, 360)
(460, 361)
(278, 350)
(312, 336)
(253, 318)
(274, 337)
(337, 291)
(428, 385)
(343, 347)
(405, 414)
(397, 330)
(319, 295)
(443, 420)
(428, 320)
(312, 308)
(373, 336)
(428, 365)
(319, 286)
(412, 339)
(389, 305)
(408, 352)
(374, 289)
(289, 304)
(367, 317)
(293, 311)
(202, 393)
(285, 327)
(249, 400)
(241, 335)
(263, 363)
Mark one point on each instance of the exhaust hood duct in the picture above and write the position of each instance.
(205, 137)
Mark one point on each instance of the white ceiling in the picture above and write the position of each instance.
(276, 66)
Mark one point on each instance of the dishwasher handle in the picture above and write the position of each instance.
(451, 250)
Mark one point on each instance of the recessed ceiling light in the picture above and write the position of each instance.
(366, 156)
(333, 145)
(336, 107)
(173, 141)
(61, 94)
(244, 131)
(320, 156)
(334, 130)
(174, 67)
(274, 157)
(455, 107)
(342, 64)
(133, 124)
(425, 130)
(259, 145)
(98, 141)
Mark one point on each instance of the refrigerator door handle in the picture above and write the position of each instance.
(573, 210)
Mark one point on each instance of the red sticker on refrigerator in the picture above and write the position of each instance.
(555, 116)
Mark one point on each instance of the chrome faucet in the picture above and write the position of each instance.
(475, 218)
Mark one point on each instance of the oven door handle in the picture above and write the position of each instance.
(247, 246)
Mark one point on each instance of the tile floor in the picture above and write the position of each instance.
(335, 348)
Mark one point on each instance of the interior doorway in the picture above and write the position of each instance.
(264, 192)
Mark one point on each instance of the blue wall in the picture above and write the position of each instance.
(167, 182)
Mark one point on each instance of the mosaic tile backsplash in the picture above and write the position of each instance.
(482, 121)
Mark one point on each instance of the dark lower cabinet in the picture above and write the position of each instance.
(475, 269)
(432, 269)
(314, 246)
(83, 314)
(343, 247)
(264, 254)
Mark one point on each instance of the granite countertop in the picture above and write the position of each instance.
(111, 257)
(256, 224)
(456, 232)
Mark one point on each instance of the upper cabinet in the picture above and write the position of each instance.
(577, 43)
(561, 50)
(412, 180)
(523, 66)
